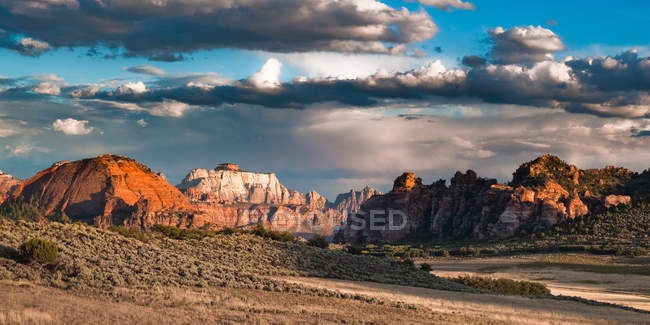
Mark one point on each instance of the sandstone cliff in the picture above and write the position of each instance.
(351, 202)
(230, 197)
(107, 190)
(7, 185)
(542, 193)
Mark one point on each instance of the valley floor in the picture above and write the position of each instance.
(622, 281)
(26, 303)
(487, 309)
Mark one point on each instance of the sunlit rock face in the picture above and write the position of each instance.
(8, 184)
(107, 190)
(230, 197)
(228, 186)
(542, 193)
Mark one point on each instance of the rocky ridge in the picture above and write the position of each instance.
(8, 184)
(542, 193)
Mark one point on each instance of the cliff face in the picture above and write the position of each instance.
(229, 197)
(542, 193)
(106, 190)
(7, 185)
(351, 202)
(229, 186)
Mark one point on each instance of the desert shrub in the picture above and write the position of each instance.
(39, 250)
(409, 263)
(439, 252)
(183, 234)
(230, 231)
(489, 251)
(21, 209)
(354, 249)
(64, 218)
(261, 231)
(135, 233)
(319, 241)
(425, 267)
(503, 286)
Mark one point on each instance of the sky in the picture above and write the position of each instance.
(328, 94)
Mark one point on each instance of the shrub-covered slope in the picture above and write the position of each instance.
(91, 258)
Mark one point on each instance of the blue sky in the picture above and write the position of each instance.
(236, 96)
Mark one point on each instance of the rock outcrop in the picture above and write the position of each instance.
(107, 190)
(7, 185)
(350, 202)
(230, 197)
(542, 193)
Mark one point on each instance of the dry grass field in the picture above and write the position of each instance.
(488, 309)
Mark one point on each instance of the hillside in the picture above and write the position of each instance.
(105, 190)
(92, 258)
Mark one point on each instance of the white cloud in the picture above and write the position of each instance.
(141, 122)
(48, 88)
(71, 126)
(268, 76)
(25, 149)
(349, 66)
(524, 44)
(131, 88)
(169, 108)
(447, 4)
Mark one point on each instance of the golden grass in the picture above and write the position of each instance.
(489, 308)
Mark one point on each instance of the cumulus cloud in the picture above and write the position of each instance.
(70, 126)
(524, 44)
(591, 85)
(169, 108)
(447, 5)
(164, 30)
(147, 69)
(268, 76)
(26, 46)
(47, 88)
(141, 122)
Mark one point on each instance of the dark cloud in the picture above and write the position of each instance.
(165, 29)
(147, 70)
(551, 22)
(609, 86)
(473, 61)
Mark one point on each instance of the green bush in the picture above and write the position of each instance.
(183, 234)
(409, 263)
(21, 209)
(261, 231)
(425, 267)
(503, 286)
(319, 241)
(39, 250)
(354, 249)
(135, 233)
